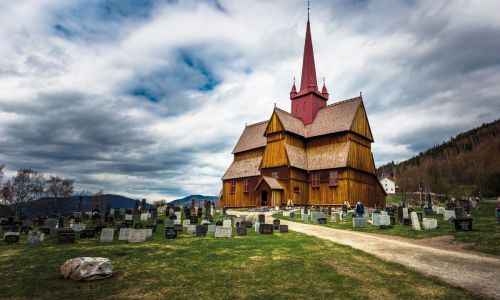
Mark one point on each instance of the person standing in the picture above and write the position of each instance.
(360, 210)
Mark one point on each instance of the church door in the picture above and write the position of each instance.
(263, 198)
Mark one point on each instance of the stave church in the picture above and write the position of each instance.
(318, 154)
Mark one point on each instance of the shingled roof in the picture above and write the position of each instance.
(243, 168)
(296, 156)
(272, 182)
(252, 137)
(336, 117)
(290, 123)
(328, 156)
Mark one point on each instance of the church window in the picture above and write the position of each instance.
(315, 179)
(333, 178)
(233, 187)
(275, 174)
(296, 189)
(246, 185)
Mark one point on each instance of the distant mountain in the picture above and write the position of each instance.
(467, 164)
(199, 200)
(49, 205)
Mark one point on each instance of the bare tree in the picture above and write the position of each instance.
(26, 186)
(1, 178)
(98, 200)
(59, 189)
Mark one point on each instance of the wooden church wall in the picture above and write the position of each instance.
(239, 198)
(360, 124)
(249, 154)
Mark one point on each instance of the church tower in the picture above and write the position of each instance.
(309, 100)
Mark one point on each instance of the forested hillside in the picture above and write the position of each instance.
(466, 165)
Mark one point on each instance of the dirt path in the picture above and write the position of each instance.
(473, 271)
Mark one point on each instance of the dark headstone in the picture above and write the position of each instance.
(428, 211)
(218, 223)
(241, 231)
(170, 232)
(128, 223)
(276, 224)
(248, 224)
(463, 224)
(406, 222)
(321, 220)
(292, 215)
(266, 228)
(61, 222)
(201, 230)
(283, 228)
(45, 230)
(152, 227)
(193, 219)
(11, 238)
(262, 218)
(159, 222)
(173, 217)
(66, 236)
(400, 214)
(98, 228)
(419, 216)
(87, 233)
(138, 226)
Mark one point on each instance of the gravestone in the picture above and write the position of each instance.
(247, 224)
(321, 221)
(205, 222)
(107, 235)
(241, 231)
(137, 235)
(173, 217)
(223, 232)
(449, 214)
(191, 229)
(283, 228)
(66, 236)
(11, 237)
(292, 215)
(186, 223)
(52, 223)
(78, 227)
(257, 226)
(227, 223)
(359, 222)
(98, 228)
(178, 215)
(305, 217)
(87, 233)
(262, 218)
(144, 216)
(376, 219)
(286, 214)
(414, 221)
(406, 222)
(152, 227)
(406, 215)
(170, 233)
(128, 217)
(211, 228)
(124, 233)
(177, 222)
(128, 223)
(317, 215)
(159, 222)
(385, 220)
(218, 223)
(419, 215)
(334, 217)
(149, 232)
(276, 224)
(429, 223)
(266, 229)
(34, 237)
(463, 224)
(440, 210)
(193, 219)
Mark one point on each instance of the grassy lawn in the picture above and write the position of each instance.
(485, 236)
(280, 266)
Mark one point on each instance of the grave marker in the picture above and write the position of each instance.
(223, 232)
(128, 217)
(11, 237)
(449, 214)
(149, 232)
(137, 235)
(414, 221)
(77, 227)
(170, 233)
(107, 235)
(227, 223)
(429, 223)
(376, 219)
(305, 217)
(266, 229)
(124, 233)
(359, 222)
(191, 229)
(211, 228)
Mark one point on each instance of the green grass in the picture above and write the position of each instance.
(280, 266)
(485, 236)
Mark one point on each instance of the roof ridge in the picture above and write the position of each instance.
(290, 114)
(258, 123)
(342, 102)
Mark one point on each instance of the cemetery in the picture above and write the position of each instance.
(141, 256)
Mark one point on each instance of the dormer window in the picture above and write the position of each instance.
(275, 174)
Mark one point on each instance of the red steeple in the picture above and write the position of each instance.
(308, 101)
(308, 79)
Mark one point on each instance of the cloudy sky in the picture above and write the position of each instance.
(147, 98)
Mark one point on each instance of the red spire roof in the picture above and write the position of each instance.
(308, 68)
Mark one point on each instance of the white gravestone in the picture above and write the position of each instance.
(385, 220)
(221, 232)
(359, 222)
(144, 217)
(448, 214)
(376, 219)
(177, 222)
(137, 236)
(286, 214)
(112, 211)
(317, 215)
(178, 214)
(227, 223)
(405, 213)
(186, 223)
(305, 217)
(191, 229)
(124, 233)
(211, 228)
(440, 210)
(149, 232)
(107, 235)
(79, 227)
(334, 218)
(414, 221)
(205, 222)
(128, 217)
(429, 223)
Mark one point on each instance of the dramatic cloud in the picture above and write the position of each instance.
(147, 98)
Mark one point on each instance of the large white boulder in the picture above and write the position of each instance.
(87, 268)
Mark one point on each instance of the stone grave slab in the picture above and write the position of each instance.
(223, 232)
(124, 233)
(385, 220)
(276, 224)
(359, 222)
(144, 217)
(137, 236)
(241, 231)
(79, 227)
(34, 237)
(429, 223)
(178, 214)
(227, 223)
(286, 214)
(211, 228)
(11, 237)
(205, 222)
(257, 227)
(317, 215)
(406, 214)
(305, 217)
(376, 219)
(333, 217)
(170, 233)
(463, 224)
(149, 232)
(191, 229)
(107, 235)
(283, 228)
(52, 223)
(66, 236)
(266, 229)
(440, 210)
(128, 217)
(177, 222)
(449, 214)
(186, 223)
(321, 221)
(415, 224)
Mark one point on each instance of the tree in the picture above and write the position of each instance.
(1, 178)
(59, 189)
(98, 200)
(26, 186)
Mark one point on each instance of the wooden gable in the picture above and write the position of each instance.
(360, 123)
(274, 125)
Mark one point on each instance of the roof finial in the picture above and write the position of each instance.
(293, 80)
(308, 11)
(275, 104)
(323, 80)
(360, 94)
